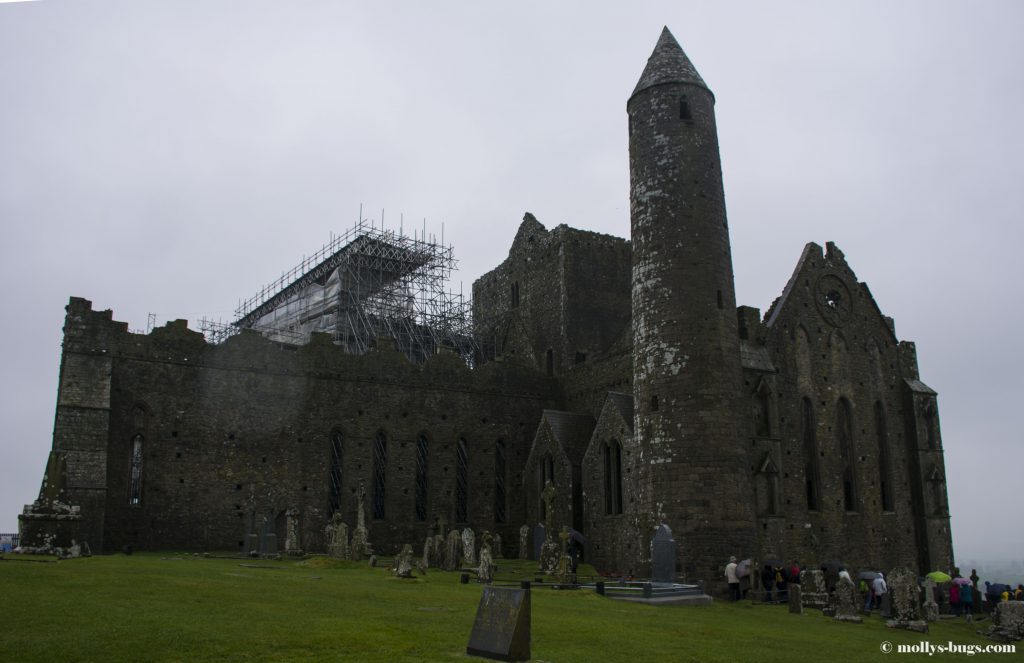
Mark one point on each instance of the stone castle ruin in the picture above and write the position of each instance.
(620, 372)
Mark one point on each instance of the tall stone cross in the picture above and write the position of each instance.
(548, 495)
(563, 536)
(929, 590)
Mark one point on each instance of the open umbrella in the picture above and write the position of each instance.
(961, 581)
(939, 576)
(832, 564)
(743, 569)
(868, 575)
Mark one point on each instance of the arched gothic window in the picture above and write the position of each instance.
(848, 455)
(612, 477)
(461, 482)
(380, 469)
(884, 468)
(421, 477)
(135, 473)
(812, 474)
(334, 482)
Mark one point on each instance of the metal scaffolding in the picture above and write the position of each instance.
(363, 285)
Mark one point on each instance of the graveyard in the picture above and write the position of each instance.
(167, 606)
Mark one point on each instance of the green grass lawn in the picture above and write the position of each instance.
(165, 607)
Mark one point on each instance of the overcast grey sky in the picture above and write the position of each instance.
(173, 156)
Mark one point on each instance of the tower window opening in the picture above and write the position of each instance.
(684, 110)
(654, 403)
(515, 294)
(550, 361)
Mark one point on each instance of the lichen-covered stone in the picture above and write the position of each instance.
(1008, 622)
(846, 609)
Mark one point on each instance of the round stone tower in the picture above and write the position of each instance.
(692, 467)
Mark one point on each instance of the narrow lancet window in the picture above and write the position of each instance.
(461, 482)
(135, 474)
(844, 430)
(884, 469)
(421, 477)
(334, 476)
(380, 462)
(811, 472)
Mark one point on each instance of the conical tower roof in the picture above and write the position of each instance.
(668, 64)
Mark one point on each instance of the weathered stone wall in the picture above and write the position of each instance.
(241, 430)
(559, 300)
(829, 342)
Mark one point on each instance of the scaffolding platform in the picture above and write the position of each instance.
(365, 284)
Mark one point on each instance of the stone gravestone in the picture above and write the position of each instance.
(539, 537)
(453, 551)
(438, 558)
(1007, 622)
(337, 537)
(428, 552)
(550, 556)
(846, 602)
(795, 605)
(524, 542)
(292, 545)
(501, 630)
(403, 563)
(663, 555)
(361, 537)
(496, 547)
(930, 608)
(268, 538)
(468, 548)
(905, 601)
(485, 570)
(812, 584)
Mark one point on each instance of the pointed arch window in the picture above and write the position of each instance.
(334, 480)
(848, 455)
(421, 477)
(931, 425)
(884, 468)
(135, 472)
(380, 470)
(499, 482)
(461, 482)
(545, 473)
(612, 477)
(812, 474)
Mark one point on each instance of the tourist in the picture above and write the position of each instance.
(794, 572)
(732, 579)
(879, 589)
(869, 596)
(767, 580)
(843, 573)
(954, 598)
(780, 580)
(967, 602)
(1018, 595)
